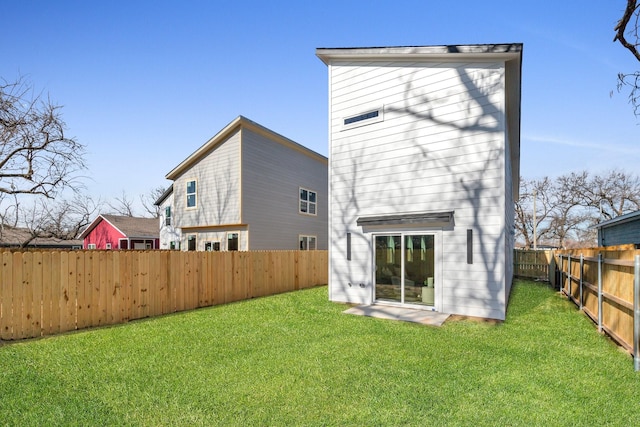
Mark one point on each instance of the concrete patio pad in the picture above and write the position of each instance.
(431, 318)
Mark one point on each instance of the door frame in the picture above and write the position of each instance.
(437, 265)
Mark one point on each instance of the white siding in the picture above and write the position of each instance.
(168, 233)
(217, 175)
(272, 175)
(440, 147)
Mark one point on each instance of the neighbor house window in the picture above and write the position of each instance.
(307, 243)
(108, 246)
(191, 242)
(212, 246)
(232, 241)
(307, 201)
(167, 216)
(191, 194)
(91, 246)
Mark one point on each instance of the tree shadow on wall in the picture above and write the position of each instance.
(452, 140)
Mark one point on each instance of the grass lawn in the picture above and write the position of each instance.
(294, 359)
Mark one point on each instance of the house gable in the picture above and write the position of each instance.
(236, 181)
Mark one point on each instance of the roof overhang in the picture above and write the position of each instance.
(632, 216)
(237, 124)
(482, 52)
(413, 220)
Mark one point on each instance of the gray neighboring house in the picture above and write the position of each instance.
(246, 188)
(15, 237)
(622, 230)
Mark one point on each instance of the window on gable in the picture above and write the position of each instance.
(307, 202)
(191, 194)
(307, 243)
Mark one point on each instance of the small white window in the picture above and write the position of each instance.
(191, 194)
(307, 243)
(91, 246)
(108, 246)
(308, 201)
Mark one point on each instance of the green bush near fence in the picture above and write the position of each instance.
(295, 359)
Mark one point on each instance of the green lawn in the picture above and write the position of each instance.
(294, 359)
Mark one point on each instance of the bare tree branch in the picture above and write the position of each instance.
(122, 205)
(36, 157)
(622, 29)
(148, 201)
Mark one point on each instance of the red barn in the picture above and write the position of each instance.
(121, 232)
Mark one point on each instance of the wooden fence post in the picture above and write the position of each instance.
(581, 278)
(600, 292)
(636, 314)
(569, 278)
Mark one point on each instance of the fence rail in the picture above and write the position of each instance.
(606, 286)
(49, 292)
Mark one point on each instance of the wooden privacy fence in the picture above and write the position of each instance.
(606, 286)
(533, 264)
(48, 292)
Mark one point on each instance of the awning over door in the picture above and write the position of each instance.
(426, 219)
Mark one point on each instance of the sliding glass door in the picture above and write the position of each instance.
(405, 268)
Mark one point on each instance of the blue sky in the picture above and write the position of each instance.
(145, 83)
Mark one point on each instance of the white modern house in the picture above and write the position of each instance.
(424, 148)
(246, 188)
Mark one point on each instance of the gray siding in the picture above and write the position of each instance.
(620, 234)
(272, 174)
(218, 187)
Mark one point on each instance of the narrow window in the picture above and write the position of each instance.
(191, 194)
(361, 117)
(371, 116)
(469, 246)
(232, 241)
(308, 201)
(348, 246)
(167, 216)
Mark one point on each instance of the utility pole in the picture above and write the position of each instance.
(535, 222)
